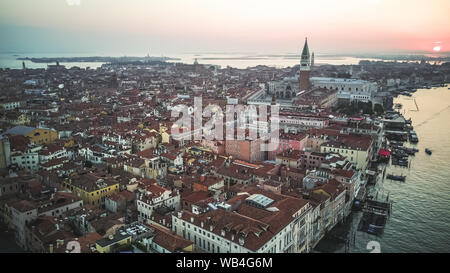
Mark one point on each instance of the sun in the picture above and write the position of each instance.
(437, 48)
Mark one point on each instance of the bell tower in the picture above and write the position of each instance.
(305, 68)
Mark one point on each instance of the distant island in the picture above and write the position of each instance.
(95, 59)
(441, 57)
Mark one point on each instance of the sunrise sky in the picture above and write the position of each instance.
(185, 26)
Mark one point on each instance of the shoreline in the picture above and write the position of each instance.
(95, 59)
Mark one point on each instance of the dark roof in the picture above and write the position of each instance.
(20, 130)
(115, 238)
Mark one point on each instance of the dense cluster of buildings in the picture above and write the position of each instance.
(88, 159)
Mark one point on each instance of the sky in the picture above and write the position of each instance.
(159, 27)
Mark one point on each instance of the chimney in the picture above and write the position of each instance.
(202, 178)
(50, 248)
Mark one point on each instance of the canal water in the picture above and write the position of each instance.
(419, 221)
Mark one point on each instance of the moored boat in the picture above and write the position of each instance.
(396, 177)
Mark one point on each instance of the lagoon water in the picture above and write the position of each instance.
(9, 60)
(242, 60)
(238, 60)
(421, 210)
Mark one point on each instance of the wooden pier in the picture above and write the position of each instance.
(362, 195)
(375, 216)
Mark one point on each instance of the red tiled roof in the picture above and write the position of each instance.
(24, 205)
(196, 197)
(147, 153)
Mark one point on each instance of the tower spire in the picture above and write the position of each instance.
(305, 51)
(305, 67)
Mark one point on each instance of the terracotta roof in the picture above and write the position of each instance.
(169, 156)
(258, 226)
(147, 153)
(24, 205)
(135, 163)
(169, 239)
(51, 149)
(196, 197)
(88, 240)
(344, 173)
(353, 142)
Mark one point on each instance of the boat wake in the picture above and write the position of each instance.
(433, 116)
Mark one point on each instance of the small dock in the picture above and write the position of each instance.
(362, 195)
(372, 175)
(360, 199)
(375, 216)
(379, 206)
